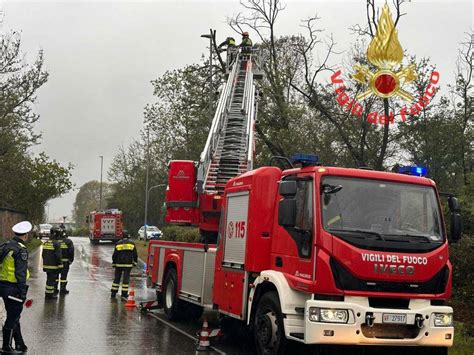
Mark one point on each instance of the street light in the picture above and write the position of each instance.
(100, 187)
(146, 206)
(210, 71)
(146, 176)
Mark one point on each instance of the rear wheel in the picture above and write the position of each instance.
(174, 307)
(268, 327)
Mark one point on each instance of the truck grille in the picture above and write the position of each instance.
(346, 281)
(390, 331)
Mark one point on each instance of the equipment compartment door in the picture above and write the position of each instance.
(107, 226)
(235, 294)
(236, 229)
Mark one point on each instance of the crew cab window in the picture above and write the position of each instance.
(302, 231)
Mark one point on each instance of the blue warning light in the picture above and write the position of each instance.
(305, 159)
(413, 170)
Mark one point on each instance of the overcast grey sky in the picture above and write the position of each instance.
(101, 57)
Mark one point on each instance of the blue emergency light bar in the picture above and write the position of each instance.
(413, 170)
(305, 159)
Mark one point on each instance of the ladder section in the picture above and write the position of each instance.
(230, 157)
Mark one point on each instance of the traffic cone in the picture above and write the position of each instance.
(131, 297)
(203, 344)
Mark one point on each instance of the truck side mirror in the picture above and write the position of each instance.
(287, 212)
(456, 224)
(287, 188)
(453, 203)
(456, 227)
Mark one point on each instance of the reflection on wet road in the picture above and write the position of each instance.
(87, 321)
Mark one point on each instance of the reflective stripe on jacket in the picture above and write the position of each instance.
(52, 257)
(67, 250)
(125, 254)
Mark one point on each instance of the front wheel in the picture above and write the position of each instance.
(269, 333)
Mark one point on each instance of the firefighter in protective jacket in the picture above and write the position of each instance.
(52, 263)
(246, 44)
(67, 252)
(123, 259)
(13, 288)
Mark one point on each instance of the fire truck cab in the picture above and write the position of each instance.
(320, 255)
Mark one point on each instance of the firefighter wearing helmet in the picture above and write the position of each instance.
(246, 44)
(124, 258)
(67, 251)
(231, 50)
(52, 263)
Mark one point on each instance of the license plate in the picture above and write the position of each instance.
(394, 318)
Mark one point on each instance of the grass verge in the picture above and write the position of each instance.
(33, 244)
(463, 341)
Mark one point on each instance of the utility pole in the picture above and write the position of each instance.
(210, 36)
(100, 187)
(146, 177)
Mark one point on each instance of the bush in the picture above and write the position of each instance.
(180, 234)
(462, 258)
(84, 230)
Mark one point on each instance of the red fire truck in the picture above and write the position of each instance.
(320, 255)
(105, 225)
(313, 254)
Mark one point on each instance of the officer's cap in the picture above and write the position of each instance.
(22, 227)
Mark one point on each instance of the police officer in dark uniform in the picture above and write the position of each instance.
(13, 287)
(123, 259)
(67, 252)
(52, 263)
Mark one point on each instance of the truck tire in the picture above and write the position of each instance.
(268, 330)
(174, 307)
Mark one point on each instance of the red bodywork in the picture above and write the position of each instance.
(95, 226)
(270, 247)
(184, 206)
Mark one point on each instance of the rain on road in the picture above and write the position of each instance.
(88, 321)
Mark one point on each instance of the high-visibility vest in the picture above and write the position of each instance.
(246, 42)
(7, 268)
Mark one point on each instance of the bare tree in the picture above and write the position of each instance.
(464, 104)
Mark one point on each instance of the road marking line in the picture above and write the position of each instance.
(182, 331)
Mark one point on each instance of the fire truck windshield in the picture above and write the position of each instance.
(376, 210)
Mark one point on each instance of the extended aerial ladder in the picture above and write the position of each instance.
(228, 152)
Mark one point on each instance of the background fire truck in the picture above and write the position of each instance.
(312, 254)
(105, 225)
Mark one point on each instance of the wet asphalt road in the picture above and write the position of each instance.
(87, 321)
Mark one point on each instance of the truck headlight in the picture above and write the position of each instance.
(328, 315)
(443, 319)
